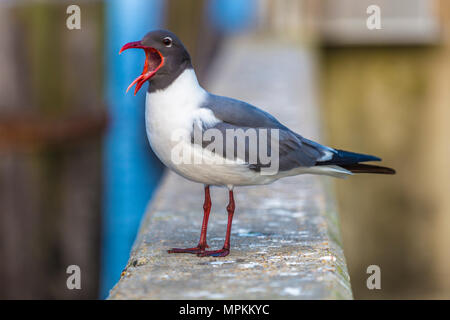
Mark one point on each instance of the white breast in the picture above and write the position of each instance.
(171, 110)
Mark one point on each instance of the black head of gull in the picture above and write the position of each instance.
(166, 58)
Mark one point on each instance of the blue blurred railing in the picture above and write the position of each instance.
(131, 171)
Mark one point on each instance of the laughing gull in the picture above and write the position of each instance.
(219, 141)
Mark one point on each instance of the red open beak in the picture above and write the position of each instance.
(154, 60)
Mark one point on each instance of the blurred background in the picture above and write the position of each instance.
(76, 171)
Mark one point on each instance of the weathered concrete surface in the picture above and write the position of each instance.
(285, 236)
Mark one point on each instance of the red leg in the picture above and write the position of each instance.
(202, 245)
(226, 246)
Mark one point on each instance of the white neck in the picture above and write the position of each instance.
(183, 91)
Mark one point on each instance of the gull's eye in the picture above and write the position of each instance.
(167, 41)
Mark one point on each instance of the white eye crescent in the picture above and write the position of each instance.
(167, 41)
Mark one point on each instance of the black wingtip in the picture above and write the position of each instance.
(342, 157)
(356, 157)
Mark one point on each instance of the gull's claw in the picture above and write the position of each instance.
(214, 253)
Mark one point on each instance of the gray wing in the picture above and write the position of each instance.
(240, 113)
(237, 116)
